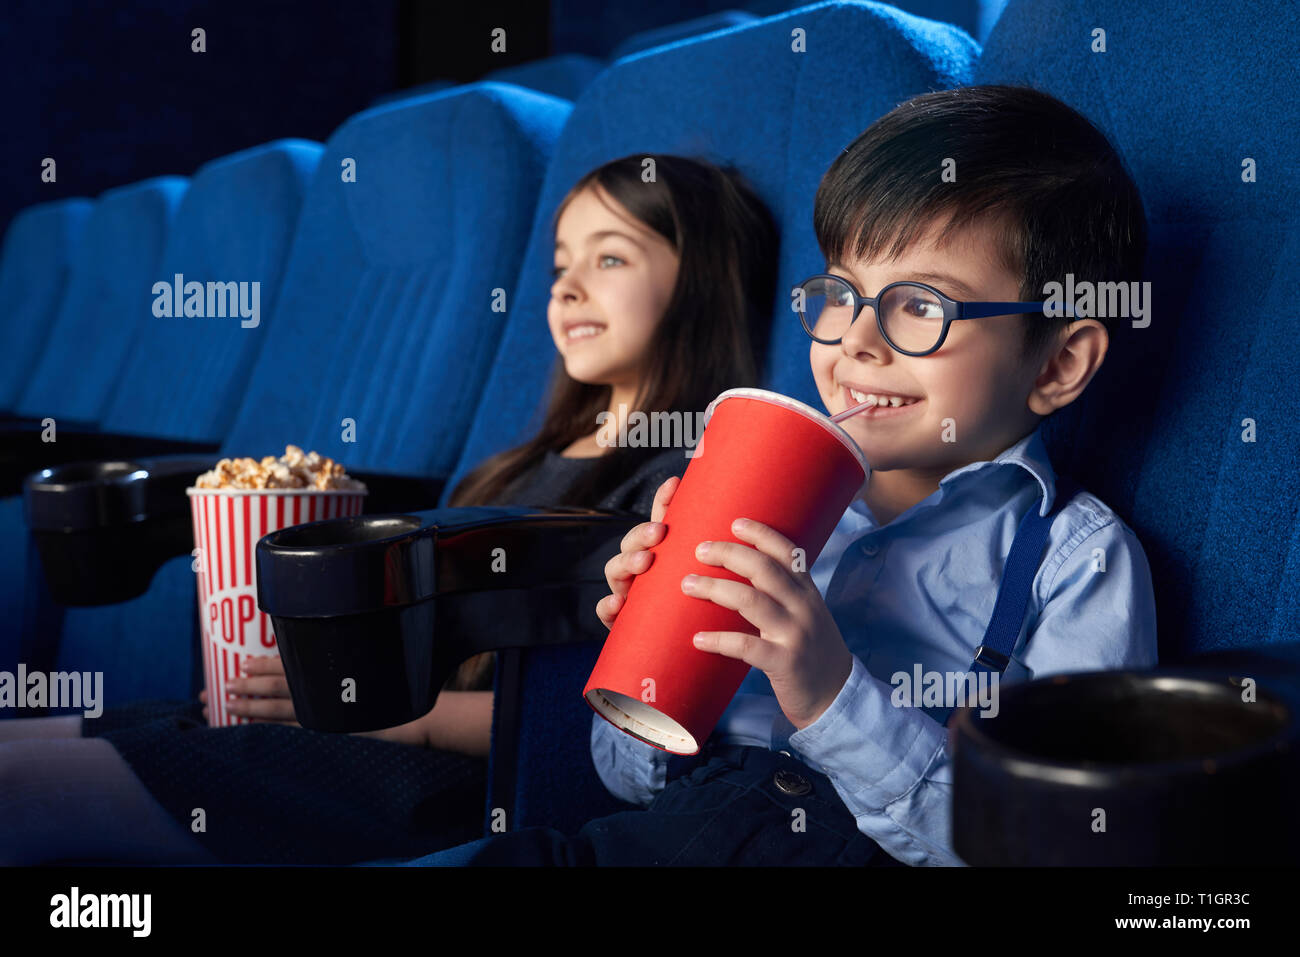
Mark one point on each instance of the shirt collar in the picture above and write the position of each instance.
(1030, 453)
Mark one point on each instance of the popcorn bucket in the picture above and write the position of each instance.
(227, 524)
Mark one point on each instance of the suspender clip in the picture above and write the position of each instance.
(991, 658)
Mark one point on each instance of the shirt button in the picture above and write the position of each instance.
(869, 549)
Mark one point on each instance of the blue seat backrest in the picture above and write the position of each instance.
(565, 76)
(114, 269)
(385, 316)
(40, 246)
(234, 226)
(683, 30)
(976, 17)
(421, 89)
(780, 116)
(1189, 429)
(390, 311)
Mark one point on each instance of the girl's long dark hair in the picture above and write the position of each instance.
(711, 338)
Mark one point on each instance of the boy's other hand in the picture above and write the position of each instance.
(632, 558)
(798, 646)
(262, 695)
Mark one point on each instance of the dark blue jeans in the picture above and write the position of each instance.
(741, 806)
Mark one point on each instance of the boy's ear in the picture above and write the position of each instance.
(1069, 362)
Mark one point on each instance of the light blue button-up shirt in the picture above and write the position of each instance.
(920, 591)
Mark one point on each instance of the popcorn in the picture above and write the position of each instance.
(291, 470)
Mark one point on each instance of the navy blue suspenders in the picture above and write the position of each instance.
(994, 651)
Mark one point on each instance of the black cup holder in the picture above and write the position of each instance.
(373, 613)
(1168, 767)
(102, 529)
(89, 472)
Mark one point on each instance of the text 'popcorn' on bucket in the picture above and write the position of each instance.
(291, 470)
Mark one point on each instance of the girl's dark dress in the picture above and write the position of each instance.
(275, 794)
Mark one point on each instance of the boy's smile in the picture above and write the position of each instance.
(966, 402)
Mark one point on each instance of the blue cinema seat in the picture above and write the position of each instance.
(87, 346)
(565, 75)
(976, 17)
(682, 30)
(84, 350)
(40, 246)
(741, 96)
(234, 225)
(1163, 434)
(382, 336)
(183, 377)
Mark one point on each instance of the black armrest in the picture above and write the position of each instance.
(22, 451)
(373, 613)
(102, 529)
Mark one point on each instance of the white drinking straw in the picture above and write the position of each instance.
(841, 416)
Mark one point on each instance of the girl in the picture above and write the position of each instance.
(659, 302)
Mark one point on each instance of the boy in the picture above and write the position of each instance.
(982, 194)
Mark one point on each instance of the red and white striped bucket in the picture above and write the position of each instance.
(227, 525)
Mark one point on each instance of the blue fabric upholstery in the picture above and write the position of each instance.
(234, 225)
(384, 316)
(1159, 434)
(422, 89)
(84, 350)
(781, 117)
(183, 377)
(105, 302)
(976, 17)
(684, 30)
(565, 76)
(39, 248)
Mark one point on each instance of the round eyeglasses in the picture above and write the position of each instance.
(913, 318)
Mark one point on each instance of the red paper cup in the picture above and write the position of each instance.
(762, 456)
(227, 525)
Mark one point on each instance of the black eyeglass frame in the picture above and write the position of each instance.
(953, 310)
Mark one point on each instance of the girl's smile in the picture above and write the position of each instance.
(613, 280)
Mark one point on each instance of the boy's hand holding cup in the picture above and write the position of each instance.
(769, 455)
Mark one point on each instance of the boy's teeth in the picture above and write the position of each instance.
(894, 401)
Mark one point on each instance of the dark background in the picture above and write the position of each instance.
(114, 94)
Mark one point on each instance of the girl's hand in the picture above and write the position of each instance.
(632, 558)
(798, 646)
(262, 696)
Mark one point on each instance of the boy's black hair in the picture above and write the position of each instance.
(1060, 190)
